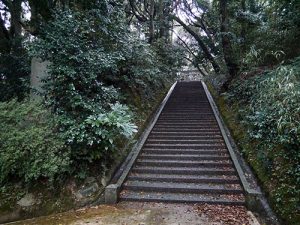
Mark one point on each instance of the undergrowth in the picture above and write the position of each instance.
(263, 114)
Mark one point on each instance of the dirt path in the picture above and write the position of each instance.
(127, 213)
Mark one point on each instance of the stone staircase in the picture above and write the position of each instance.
(184, 158)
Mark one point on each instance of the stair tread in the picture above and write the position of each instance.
(185, 132)
(184, 156)
(186, 151)
(182, 170)
(186, 129)
(186, 124)
(190, 140)
(178, 144)
(182, 198)
(184, 186)
(184, 178)
(184, 163)
(182, 137)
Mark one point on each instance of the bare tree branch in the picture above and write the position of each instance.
(136, 12)
(197, 37)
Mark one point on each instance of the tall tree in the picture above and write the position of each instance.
(153, 15)
(201, 43)
(14, 64)
(229, 54)
(10, 24)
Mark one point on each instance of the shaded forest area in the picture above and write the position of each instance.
(109, 62)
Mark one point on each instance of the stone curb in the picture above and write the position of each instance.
(246, 186)
(112, 191)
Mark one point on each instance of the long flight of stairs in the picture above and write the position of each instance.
(184, 158)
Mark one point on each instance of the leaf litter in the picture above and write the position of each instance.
(229, 215)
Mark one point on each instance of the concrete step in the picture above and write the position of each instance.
(184, 141)
(185, 120)
(175, 106)
(184, 170)
(196, 115)
(185, 146)
(190, 114)
(186, 133)
(192, 131)
(187, 103)
(181, 198)
(186, 123)
(181, 130)
(184, 163)
(193, 107)
(185, 151)
(184, 137)
(183, 178)
(162, 126)
(188, 111)
(191, 188)
(181, 156)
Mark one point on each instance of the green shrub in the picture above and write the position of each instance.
(88, 50)
(149, 67)
(270, 109)
(31, 147)
(14, 74)
(95, 59)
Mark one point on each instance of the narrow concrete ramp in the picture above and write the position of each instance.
(184, 158)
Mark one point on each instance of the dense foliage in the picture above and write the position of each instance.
(31, 146)
(14, 74)
(93, 59)
(85, 51)
(98, 67)
(269, 106)
(268, 92)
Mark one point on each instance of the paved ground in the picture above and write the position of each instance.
(127, 213)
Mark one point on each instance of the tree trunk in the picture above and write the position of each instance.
(243, 29)
(4, 37)
(164, 23)
(161, 18)
(14, 32)
(229, 55)
(16, 11)
(151, 22)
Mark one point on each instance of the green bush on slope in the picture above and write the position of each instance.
(96, 65)
(270, 110)
(31, 147)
